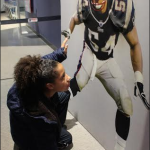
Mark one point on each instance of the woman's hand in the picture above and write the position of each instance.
(64, 45)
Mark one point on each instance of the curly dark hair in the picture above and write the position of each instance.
(31, 74)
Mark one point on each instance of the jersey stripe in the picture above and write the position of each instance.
(128, 13)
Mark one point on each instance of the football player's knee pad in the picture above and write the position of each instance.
(86, 69)
(82, 77)
(126, 102)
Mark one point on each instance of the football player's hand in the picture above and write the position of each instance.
(65, 45)
(139, 89)
(66, 33)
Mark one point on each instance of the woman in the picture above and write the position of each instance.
(38, 102)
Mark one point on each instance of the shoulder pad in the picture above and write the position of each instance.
(123, 14)
(83, 10)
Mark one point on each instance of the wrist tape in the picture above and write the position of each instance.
(138, 76)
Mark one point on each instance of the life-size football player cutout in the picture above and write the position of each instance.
(104, 20)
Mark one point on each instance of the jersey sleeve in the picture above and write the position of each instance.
(82, 10)
(123, 15)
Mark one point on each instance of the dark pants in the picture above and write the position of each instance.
(64, 141)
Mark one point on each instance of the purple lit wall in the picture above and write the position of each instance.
(49, 30)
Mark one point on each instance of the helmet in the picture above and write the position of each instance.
(98, 5)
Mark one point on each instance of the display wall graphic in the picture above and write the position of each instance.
(29, 5)
(98, 27)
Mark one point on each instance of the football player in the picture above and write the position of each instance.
(104, 20)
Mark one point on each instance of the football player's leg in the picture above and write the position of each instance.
(122, 129)
(84, 71)
(111, 77)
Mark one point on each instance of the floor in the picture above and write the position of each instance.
(13, 46)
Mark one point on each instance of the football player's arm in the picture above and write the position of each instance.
(74, 21)
(137, 63)
(136, 54)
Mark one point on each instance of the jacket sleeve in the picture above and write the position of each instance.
(13, 101)
(57, 55)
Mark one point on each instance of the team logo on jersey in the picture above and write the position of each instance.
(99, 29)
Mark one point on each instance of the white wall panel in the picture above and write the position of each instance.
(93, 107)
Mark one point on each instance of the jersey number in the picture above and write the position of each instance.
(109, 45)
(95, 35)
(120, 6)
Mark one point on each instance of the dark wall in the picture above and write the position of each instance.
(50, 30)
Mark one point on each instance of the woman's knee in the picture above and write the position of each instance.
(65, 137)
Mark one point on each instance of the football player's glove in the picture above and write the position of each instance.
(66, 33)
(139, 88)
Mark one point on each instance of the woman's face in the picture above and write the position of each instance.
(62, 82)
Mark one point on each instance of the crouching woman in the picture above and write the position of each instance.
(38, 102)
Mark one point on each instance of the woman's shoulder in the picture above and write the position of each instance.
(13, 100)
(64, 95)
